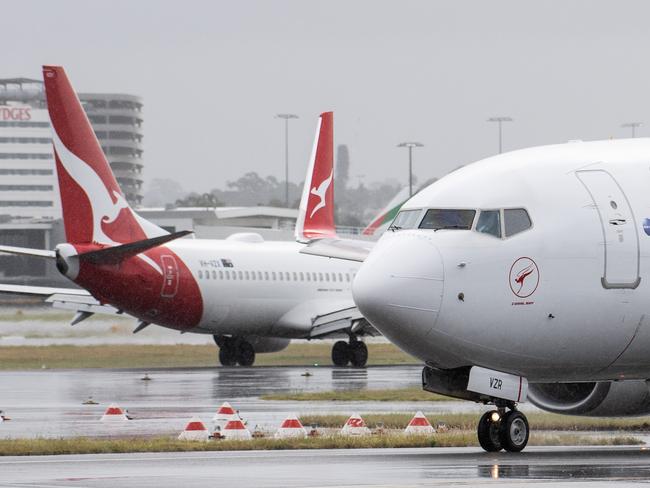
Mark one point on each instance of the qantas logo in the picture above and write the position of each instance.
(524, 277)
(320, 192)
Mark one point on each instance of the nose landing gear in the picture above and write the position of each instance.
(499, 429)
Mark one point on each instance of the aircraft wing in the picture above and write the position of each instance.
(76, 300)
(348, 249)
(324, 317)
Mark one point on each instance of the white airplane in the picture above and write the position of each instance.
(251, 296)
(522, 276)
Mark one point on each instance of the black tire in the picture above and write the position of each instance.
(514, 431)
(227, 355)
(358, 354)
(341, 353)
(245, 354)
(489, 433)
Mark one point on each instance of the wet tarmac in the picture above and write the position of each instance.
(49, 403)
(558, 467)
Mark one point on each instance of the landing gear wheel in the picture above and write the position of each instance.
(514, 431)
(358, 354)
(245, 354)
(341, 353)
(227, 354)
(488, 432)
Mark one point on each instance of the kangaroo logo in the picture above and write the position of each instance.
(320, 192)
(524, 277)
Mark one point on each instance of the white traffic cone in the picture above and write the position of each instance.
(224, 414)
(113, 412)
(419, 424)
(195, 430)
(235, 430)
(291, 427)
(355, 426)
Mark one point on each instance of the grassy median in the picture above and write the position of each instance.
(81, 445)
(170, 356)
(467, 421)
(386, 395)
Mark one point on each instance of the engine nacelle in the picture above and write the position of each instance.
(267, 344)
(599, 399)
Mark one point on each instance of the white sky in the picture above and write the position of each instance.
(214, 73)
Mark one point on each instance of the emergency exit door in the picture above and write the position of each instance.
(620, 235)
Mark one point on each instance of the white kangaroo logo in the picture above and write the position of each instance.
(320, 193)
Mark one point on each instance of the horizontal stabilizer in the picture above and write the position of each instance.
(347, 249)
(117, 254)
(25, 251)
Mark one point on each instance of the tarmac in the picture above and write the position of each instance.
(50, 403)
(557, 467)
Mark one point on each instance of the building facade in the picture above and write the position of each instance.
(28, 183)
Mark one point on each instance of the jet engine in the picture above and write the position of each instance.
(596, 399)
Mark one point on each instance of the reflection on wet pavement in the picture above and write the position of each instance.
(49, 403)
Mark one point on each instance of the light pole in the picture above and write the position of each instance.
(286, 118)
(500, 120)
(410, 146)
(633, 126)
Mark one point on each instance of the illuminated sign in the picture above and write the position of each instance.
(15, 113)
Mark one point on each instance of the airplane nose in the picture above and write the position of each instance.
(399, 288)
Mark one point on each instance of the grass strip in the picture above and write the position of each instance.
(182, 355)
(82, 445)
(468, 421)
(387, 395)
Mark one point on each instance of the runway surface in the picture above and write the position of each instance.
(558, 467)
(49, 403)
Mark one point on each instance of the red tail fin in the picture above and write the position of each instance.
(94, 208)
(316, 215)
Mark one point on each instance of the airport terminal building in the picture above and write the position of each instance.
(28, 185)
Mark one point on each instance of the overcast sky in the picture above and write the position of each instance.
(214, 73)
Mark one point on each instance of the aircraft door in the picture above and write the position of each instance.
(620, 235)
(170, 276)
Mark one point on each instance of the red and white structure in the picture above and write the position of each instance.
(419, 424)
(195, 430)
(235, 430)
(291, 427)
(114, 413)
(224, 414)
(355, 425)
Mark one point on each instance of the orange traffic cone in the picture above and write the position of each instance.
(235, 429)
(113, 412)
(419, 424)
(291, 427)
(355, 426)
(195, 430)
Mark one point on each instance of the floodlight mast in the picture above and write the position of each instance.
(410, 146)
(286, 118)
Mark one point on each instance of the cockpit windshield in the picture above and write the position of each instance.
(445, 218)
(406, 219)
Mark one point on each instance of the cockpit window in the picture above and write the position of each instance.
(489, 222)
(406, 219)
(439, 218)
(516, 220)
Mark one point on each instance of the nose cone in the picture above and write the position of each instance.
(399, 289)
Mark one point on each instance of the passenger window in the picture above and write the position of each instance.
(246, 275)
(287, 276)
(308, 277)
(406, 219)
(340, 277)
(320, 277)
(347, 277)
(334, 277)
(273, 275)
(200, 274)
(295, 276)
(227, 275)
(516, 220)
(266, 275)
(253, 275)
(281, 276)
(214, 275)
(302, 276)
(259, 275)
(221, 275)
(234, 275)
(241, 275)
(444, 218)
(489, 222)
